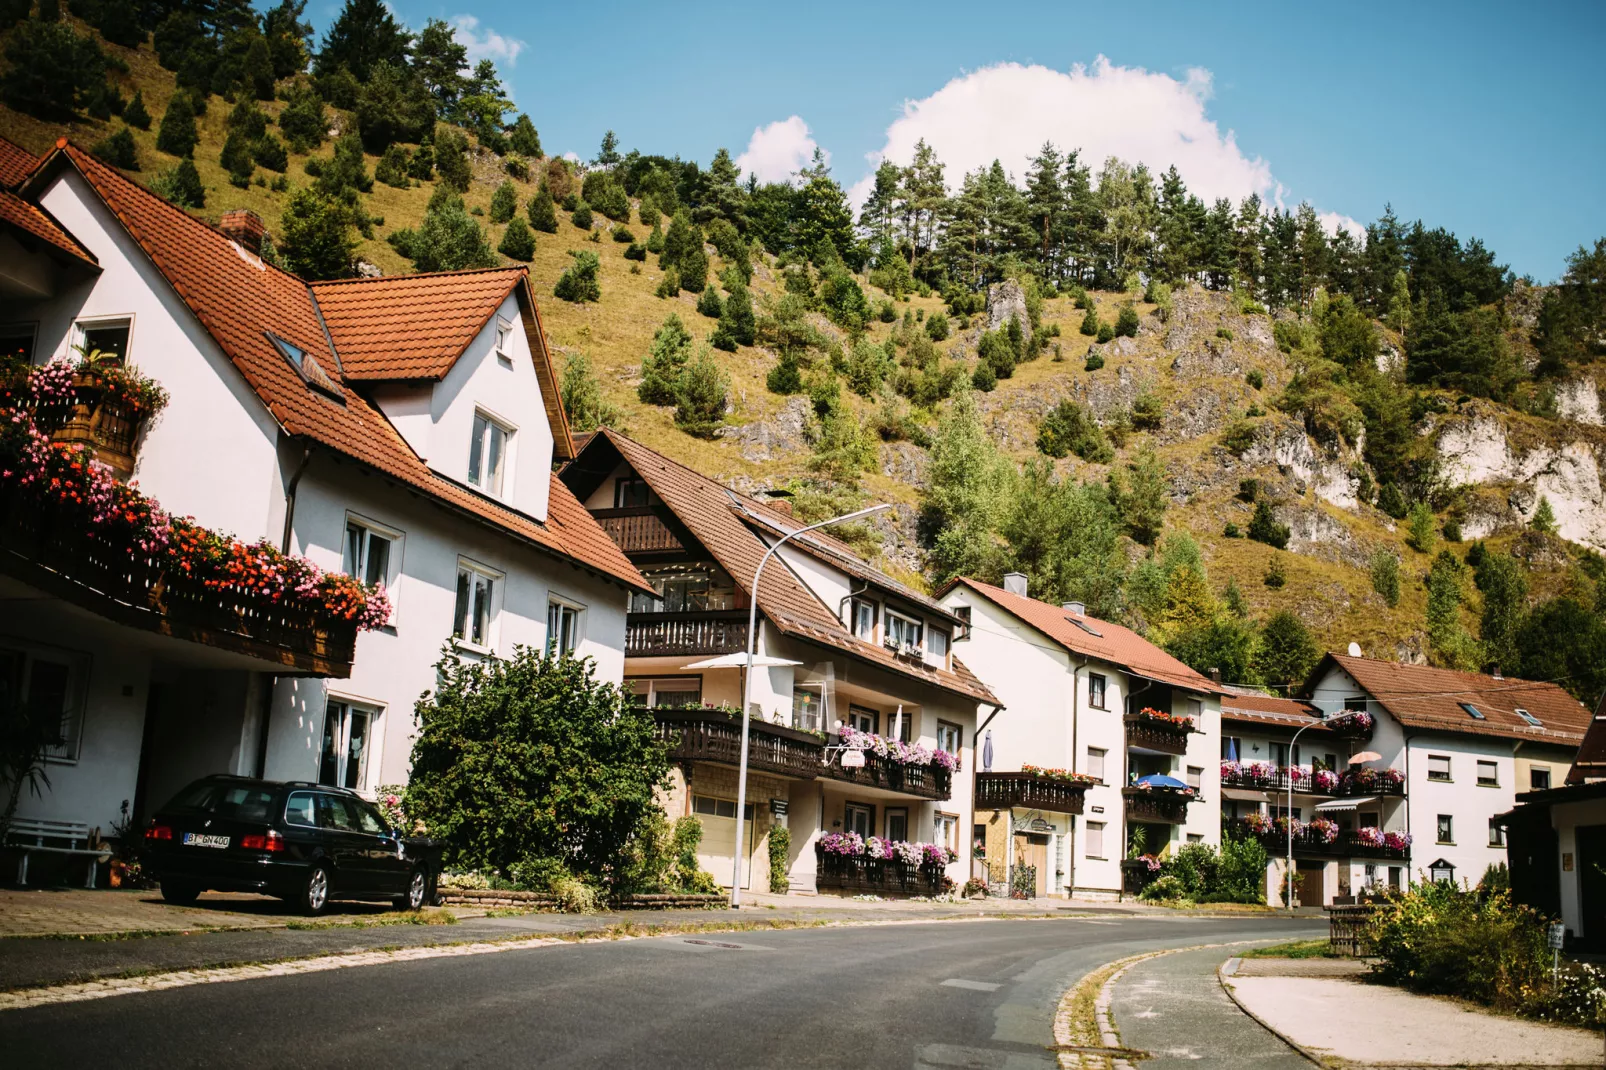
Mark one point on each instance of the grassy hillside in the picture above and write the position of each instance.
(1198, 364)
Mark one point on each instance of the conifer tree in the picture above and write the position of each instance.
(1141, 496)
(421, 165)
(1544, 518)
(701, 396)
(523, 139)
(1449, 644)
(177, 136)
(317, 241)
(736, 319)
(135, 114)
(542, 211)
(118, 150)
(661, 367)
(1090, 324)
(1505, 592)
(504, 202)
(304, 120)
(583, 400)
(692, 264)
(1287, 652)
(709, 303)
(1263, 527)
(392, 168)
(582, 216)
(579, 283)
(449, 239)
(181, 185)
(451, 159)
(517, 241)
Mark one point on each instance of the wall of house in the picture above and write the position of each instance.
(1566, 818)
(1470, 804)
(393, 666)
(211, 454)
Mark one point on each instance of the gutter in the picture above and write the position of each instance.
(290, 498)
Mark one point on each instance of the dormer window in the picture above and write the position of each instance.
(862, 620)
(487, 454)
(903, 633)
(504, 341)
(937, 643)
(631, 493)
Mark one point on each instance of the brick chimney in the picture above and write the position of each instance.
(244, 227)
(780, 505)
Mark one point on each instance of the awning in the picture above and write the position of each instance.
(1245, 795)
(738, 660)
(1346, 804)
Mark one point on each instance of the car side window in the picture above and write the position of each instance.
(368, 819)
(298, 810)
(332, 814)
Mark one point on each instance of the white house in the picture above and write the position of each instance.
(861, 663)
(403, 430)
(1465, 744)
(1094, 700)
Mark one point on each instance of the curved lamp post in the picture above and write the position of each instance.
(747, 682)
(1288, 815)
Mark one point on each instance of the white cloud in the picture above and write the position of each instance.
(1333, 222)
(1007, 111)
(775, 152)
(489, 44)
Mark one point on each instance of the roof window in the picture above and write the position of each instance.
(1530, 718)
(1086, 627)
(1473, 711)
(292, 352)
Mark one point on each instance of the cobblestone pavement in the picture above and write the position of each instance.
(81, 912)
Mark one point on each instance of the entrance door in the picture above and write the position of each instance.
(1591, 863)
(717, 853)
(1308, 878)
(1031, 851)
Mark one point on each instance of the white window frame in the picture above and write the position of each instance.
(73, 704)
(558, 606)
(1093, 841)
(481, 477)
(856, 607)
(1095, 762)
(1098, 698)
(957, 737)
(498, 579)
(372, 529)
(818, 691)
(887, 814)
(931, 635)
(81, 327)
(1194, 777)
(916, 623)
(945, 830)
(1497, 833)
(369, 761)
(503, 341)
(1444, 823)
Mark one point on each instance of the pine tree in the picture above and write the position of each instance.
(701, 396)
(692, 265)
(517, 241)
(269, 152)
(669, 285)
(504, 202)
(1287, 652)
(118, 150)
(1090, 324)
(542, 211)
(661, 367)
(181, 185)
(363, 34)
(1505, 592)
(177, 136)
(582, 216)
(709, 304)
(786, 377)
(583, 400)
(135, 114)
(1544, 518)
(236, 158)
(1263, 527)
(449, 239)
(422, 163)
(317, 241)
(257, 71)
(1449, 644)
(1141, 496)
(1126, 324)
(579, 283)
(737, 319)
(523, 139)
(451, 159)
(304, 120)
(608, 154)
(392, 168)
(1386, 577)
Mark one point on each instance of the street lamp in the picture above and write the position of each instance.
(747, 682)
(1288, 815)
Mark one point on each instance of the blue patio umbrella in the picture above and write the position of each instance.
(1160, 780)
(1232, 749)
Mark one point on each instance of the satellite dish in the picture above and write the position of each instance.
(1355, 650)
(853, 759)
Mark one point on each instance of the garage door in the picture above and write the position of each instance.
(717, 853)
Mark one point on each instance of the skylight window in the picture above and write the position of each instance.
(1530, 718)
(292, 352)
(1473, 711)
(1086, 627)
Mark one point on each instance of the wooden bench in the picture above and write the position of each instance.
(30, 835)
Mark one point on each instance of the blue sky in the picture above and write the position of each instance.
(1487, 119)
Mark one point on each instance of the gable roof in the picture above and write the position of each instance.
(726, 529)
(241, 301)
(1114, 644)
(34, 225)
(1423, 697)
(410, 326)
(16, 163)
(1247, 707)
(1590, 764)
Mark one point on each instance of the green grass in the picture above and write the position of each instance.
(1294, 949)
(374, 921)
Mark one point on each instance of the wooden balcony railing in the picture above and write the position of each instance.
(1004, 791)
(105, 425)
(673, 634)
(715, 735)
(1155, 735)
(923, 781)
(1310, 843)
(1159, 806)
(1312, 782)
(124, 584)
(637, 530)
(876, 876)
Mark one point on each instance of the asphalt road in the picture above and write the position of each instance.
(939, 995)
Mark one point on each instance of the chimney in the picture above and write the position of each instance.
(1015, 583)
(1075, 609)
(244, 227)
(780, 505)
(1496, 673)
(1215, 676)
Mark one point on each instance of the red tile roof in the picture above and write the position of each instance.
(708, 511)
(1590, 764)
(1250, 708)
(1113, 643)
(240, 300)
(1423, 697)
(35, 223)
(410, 326)
(16, 163)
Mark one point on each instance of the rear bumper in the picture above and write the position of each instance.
(269, 876)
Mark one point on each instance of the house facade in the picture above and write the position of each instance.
(1093, 713)
(1464, 744)
(863, 719)
(400, 430)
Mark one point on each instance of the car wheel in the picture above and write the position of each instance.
(417, 892)
(179, 892)
(314, 898)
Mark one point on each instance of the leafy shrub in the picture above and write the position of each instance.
(1147, 412)
(581, 216)
(1224, 333)
(579, 282)
(1126, 324)
(709, 304)
(118, 150)
(1386, 577)
(1255, 379)
(1239, 436)
(688, 876)
(504, 202)
(1275, 577)
(181, 185)
(1231, 531)
(623, 236)
(1106, 332)
(1422, 533)
(1158, 294)
(1164, 889)
(1263, 527)
(1090, 323)
(937, 326)
(517, 241)
(1452, 530)
(1095, 361)
(669, 285)
(780, 844)
(1248, 489)
(1069, 429)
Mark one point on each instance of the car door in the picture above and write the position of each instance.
(388, 864)
(347, 847)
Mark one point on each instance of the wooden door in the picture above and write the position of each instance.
(1031, 850)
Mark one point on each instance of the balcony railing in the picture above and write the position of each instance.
(129, 586)
(1266, 777)
(924, 781)
(1311, 843)
(876, 876)
(637, 530)
(1004, 791)
(674, 634)
(1155, 735)
(105, 424)
(715, 735)
(1156, 805)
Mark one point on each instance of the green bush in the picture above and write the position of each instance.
(1263, 527)
(623, 236)
(709, 304)
(1231, 531)
(1422, 528)
(1126, 324)
(1275, 577)
(1068, 429)
(1224, 333)
(582, 216)
(504, 202)
(1147, 412)
(181, 185)
(1164, 889)
(937, 326)
(1255, 379)
(1386, 577)
(780, 844)
(542, 213)
(1090, 323)
(1391, 501)
(177, 135)
(701, 397)
(669, 285)
(134, 113)
(517, 241)
(1106, 332)
(1095, 361)
(118, 150)
(579, 283)
(269, 151)
(688, 876)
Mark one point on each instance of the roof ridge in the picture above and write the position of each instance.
(370, 280)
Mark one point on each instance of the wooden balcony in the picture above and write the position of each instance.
(715, 735)
(1308, 843)
(107, 427)
(1157, 806)
(921, 781)
(675, 634)
(1004, 791)
(125, 585)
(637, 530)
(1155, 735)
(874, 876)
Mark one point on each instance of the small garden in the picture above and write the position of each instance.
(1198, 873)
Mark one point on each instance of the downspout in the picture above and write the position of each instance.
(852, 594)
(1408, 801)
(975, 783)
(1070, 875)
(1126, 772)
(284, 547)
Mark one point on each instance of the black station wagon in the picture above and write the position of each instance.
(304, 843)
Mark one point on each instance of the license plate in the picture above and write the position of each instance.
(204, 839)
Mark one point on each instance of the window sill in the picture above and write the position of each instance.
(1488, 784)
(1444, 843)
(1440, 780)
(386, 629)
(466, 647)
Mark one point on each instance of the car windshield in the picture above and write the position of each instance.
(233, 802)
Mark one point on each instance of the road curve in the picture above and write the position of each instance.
(976, 994)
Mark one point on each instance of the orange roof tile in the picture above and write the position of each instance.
(35, 223)
(1423, 697)
(1590, 763)
(1247, 707)
(707, 510)
(16, 163)
(1113, 643)
(410, 326)
(239, 300)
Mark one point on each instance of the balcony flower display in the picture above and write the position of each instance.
(1258, 773)
(1322, 829)
(1396, 841)
(1324, 780)
(1370, 836)
(1059, 774)
(913, 853)
(897, 751)
(1352, 723)
(1257, 823)
(1173, 720)
(1282, 825)
(1160, 789)
(75, 496)
(1362, 779)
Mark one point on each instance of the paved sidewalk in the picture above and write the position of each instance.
(1347, 1020)
(1172, 1007)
